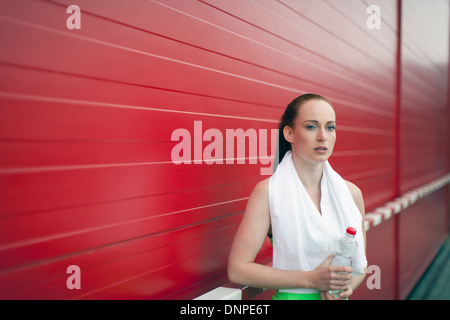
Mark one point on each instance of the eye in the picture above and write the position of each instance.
(331, 128)
(310, 127)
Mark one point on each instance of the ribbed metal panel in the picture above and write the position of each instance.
(86, 118)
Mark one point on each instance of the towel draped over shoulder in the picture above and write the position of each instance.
(302, 236)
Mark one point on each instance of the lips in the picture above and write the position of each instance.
(321, 150)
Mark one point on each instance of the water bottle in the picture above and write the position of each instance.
(346, 248)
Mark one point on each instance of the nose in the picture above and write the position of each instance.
(321, 135)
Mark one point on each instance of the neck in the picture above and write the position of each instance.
(310, 173)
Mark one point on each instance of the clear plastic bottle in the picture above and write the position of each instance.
(346, 247)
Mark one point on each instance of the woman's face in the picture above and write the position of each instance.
(313, 136)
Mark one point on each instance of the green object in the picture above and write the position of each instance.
(295, 296)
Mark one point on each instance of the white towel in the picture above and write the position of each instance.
(303, 237)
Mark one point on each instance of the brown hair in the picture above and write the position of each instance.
(288, 118)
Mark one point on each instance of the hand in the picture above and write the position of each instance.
(325, 295)
(326, 277)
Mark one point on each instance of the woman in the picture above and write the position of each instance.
(307, 207)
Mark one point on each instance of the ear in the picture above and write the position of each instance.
(288, 133)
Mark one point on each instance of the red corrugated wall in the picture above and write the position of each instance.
(87, 117)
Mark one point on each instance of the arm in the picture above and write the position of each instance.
(248, 241)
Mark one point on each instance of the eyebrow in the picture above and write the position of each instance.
(315, 121)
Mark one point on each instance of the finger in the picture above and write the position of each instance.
(338, 287)
(327, 261)
(339, 284)
(329, 296)
(324, 295)
(341, 276)
(346, 293)
(348, 269)
(342, 269)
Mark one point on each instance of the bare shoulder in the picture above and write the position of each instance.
(258, 203)
(354, 190)
(356, 195)
(262, 188)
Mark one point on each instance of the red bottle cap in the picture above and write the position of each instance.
(351, 231)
